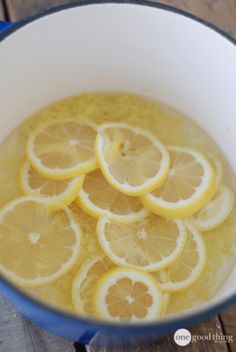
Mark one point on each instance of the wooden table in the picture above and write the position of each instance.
(17, 333)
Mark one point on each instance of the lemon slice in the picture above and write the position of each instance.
(127, 294)
(85, 280)
(58, 193)
(218, 168)
(215, 212)
(189, 186)
(166, 301)
(188, 267)
(37, 246)
(163, 277)
(149, 244)
(58, 292)
(132, 160)
(98, 198)
(62, 149)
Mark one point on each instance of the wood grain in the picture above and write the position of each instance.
(167, 344)
(211, 326)
(229, 324)
(1, 11)
(221, 13)
(23, 8)
(18, 334)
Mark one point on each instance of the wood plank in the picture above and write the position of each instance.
(29, 338)
(19, 334)
(211, 326)
(1, 11)
(23, 8)
(219, 12)
(18, 331)
(228, 318)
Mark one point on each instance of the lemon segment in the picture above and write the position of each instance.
(84, 282)
(190, 264)
(57, 193)
(62, 149)
(189, 186)
(37, 246)
(127, 294)
(132, 160)
(214, 213)
(99, 199)
(58, 292)
(149, 244)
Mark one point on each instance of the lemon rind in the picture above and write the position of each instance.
(57, 173)
(91, 209)
(101, 224)
(184, 208)
(135, 274)
(64, 268)
(77, 301)
(198, 269)
(53, 202)
(225, 211)
(148, 185)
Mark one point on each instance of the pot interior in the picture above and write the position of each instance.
(123, 47)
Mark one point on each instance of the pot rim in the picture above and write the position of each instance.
(14, 26)
(166, 323)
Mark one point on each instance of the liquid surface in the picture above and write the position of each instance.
(171, 127)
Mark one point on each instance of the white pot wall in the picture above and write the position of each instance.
(123, 47)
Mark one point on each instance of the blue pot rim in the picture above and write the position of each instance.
(77, 3)
(168, 322)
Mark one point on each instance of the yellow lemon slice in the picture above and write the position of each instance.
(215, 212)
(132, 160)
(37, 246)
(58, 193)
(62, 149)
(189, 186)
(149, 244)
(127, 294)
(85, 280)
(163, 277)
(58, 292)
(98, 198)
(188, 267)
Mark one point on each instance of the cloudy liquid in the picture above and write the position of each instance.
(171, 127)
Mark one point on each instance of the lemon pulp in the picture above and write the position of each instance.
(171, 127)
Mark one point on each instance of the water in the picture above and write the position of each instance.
(171, 127)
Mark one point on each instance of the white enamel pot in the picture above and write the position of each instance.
(143, 48)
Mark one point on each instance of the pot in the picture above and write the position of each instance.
(139, 47)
